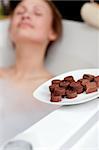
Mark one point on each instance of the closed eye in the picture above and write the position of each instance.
(19, 13)
(37, 11)
(20, 10)
(38, 14)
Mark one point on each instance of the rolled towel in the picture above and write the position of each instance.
(90, 14)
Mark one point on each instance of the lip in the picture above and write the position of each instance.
(25, 25)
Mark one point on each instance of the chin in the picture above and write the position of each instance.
(23, 36)
(27, 36)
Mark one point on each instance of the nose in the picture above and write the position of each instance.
(25, 16)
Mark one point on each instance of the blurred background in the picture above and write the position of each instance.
(69, 9)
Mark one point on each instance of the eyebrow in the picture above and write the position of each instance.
(39, 7)
(22, 6)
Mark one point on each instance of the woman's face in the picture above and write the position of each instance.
(32, 21)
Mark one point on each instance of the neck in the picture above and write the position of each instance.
(29, 58)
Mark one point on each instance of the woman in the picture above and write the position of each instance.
(35, 24)
(33, 28)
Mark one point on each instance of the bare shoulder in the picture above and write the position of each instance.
(4, 72)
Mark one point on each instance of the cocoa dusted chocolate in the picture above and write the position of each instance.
(96, 79)
(64, 84)
(51, 88)
(59, 91)
(71, 94)
(80, 80)
(91, 87)
(69, 78)
(77, 87)
(89, 77)
(56, 81)
(84, 82)
(55, 98)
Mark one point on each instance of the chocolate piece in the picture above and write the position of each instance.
(59, 91)
(51, 88)
(91, 87)
(96, 79)
(80, 80)
(55, 98)
(64, 84)
(77, 86)
(55, 85)
(71, 94)
(84, 82)
(89, 77)
(69, 78)
(56, 81)
(69, 88)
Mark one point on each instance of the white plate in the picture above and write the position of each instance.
(42, 93)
